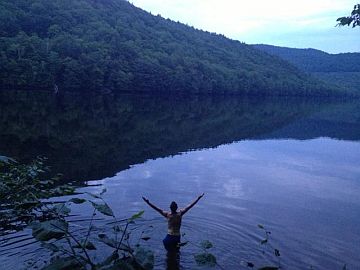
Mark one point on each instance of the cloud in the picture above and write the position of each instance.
(263, 19)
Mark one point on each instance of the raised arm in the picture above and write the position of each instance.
(163, 213)
(187, 208)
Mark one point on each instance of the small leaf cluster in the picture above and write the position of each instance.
(353, 19)
(22, 194)
(22, 191)
(77, 251)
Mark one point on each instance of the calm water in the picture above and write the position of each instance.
(291, 165)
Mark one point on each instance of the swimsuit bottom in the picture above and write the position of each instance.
(171, 242)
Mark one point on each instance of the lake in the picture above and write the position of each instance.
(289, 164)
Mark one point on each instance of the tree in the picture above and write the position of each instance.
(353, 19)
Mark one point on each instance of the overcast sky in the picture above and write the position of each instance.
(299, 24)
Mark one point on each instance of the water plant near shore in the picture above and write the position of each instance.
(77, 251)
(23, 190)
(24, 201)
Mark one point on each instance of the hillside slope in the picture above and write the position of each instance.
(342, 69)
(92, 45)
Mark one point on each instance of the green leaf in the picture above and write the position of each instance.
(136, 216)
(88, 245)
(114, 256)
(205, 259)
(106, 240)
(50, 229)
(77, 200)
(64, 264)
(61, 209)
(145, 258)
(103, 208)
(206, 244)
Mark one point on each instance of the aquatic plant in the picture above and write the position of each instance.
(24, 202)
(23, 190)
(72, 250)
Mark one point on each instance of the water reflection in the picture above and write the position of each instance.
(93, 137)
(305, 192)
(258, 161)
(173, 261)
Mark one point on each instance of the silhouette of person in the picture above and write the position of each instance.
(172, 240)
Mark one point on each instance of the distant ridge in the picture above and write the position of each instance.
(342, 69)
(111, 45)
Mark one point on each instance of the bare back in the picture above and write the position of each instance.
(173, 218)
(174, 222)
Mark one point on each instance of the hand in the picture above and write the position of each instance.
(146, 200)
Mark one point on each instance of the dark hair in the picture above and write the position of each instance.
(173, 206)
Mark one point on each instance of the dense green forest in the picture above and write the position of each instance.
(342, 69)
(111, 45)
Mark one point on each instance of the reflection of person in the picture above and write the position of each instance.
(172, 238)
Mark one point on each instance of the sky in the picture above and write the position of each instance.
(296, 24)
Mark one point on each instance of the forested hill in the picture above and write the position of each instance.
(342, 69)
(96, 45)
(312, 60)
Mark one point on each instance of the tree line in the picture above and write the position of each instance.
(110, 45)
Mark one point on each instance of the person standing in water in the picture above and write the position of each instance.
(172, 239)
